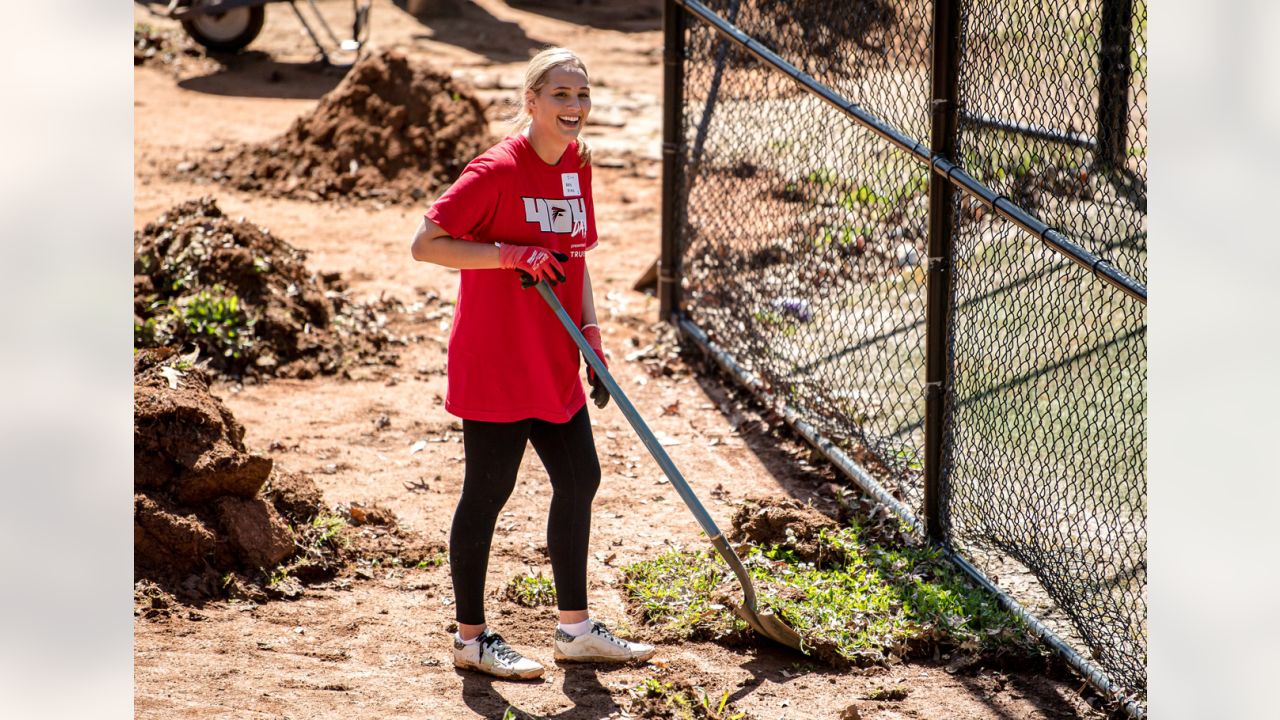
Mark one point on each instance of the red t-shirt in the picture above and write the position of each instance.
(509, 357)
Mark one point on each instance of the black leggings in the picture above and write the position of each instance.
(493, 452)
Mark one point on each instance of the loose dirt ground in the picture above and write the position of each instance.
(378, 647)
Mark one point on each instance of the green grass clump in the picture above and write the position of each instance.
(655, 698)
(435, 560)
(872, 603)
(326, 529)
(531, 590)
(216, 320)
(213, 319)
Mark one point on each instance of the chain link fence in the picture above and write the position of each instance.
(803, 243)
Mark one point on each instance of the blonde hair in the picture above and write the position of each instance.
(535, 78)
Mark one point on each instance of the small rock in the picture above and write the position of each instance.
(850, 713)
(186, 166)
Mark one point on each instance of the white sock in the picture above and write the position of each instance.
(472, 641)
(575, 629)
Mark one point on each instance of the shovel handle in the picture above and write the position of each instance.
(655, 449)
(629, 410)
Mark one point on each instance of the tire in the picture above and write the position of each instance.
(228, 32)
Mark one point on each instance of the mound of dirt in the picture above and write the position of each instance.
(788, 523)
(212, 519)
(394, 130)
(197, 510)
(246, 299)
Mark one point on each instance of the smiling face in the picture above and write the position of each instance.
(559, 108)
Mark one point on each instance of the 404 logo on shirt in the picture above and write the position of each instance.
(557, 216)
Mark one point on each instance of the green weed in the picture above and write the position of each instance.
(434, 561)
(214, 319)
(531, 590)
(655, 698)
(327, 529)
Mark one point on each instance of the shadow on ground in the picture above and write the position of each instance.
(471, 27)
(582, 687)
(256, 74)
(638, 16)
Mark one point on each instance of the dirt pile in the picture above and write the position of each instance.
(213, 520)
(788, 523)
(246, 299)
(197, 512)
(394, 130)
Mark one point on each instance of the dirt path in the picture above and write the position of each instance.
(378, 648)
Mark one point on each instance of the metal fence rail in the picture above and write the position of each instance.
(957, 323)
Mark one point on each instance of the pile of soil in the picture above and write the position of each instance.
(246, 299)
(214, 520)
(394, 130)
(197, 511)
(789, 523)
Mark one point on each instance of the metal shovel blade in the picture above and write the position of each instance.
(762, 621)
(768, 624)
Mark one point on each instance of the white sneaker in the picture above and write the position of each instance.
(493, 655)
(599, 645)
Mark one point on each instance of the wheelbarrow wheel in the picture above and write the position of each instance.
(230, 31)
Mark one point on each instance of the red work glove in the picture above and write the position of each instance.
(533, 263)
(599, 394)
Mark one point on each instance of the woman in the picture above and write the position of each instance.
(524, 205)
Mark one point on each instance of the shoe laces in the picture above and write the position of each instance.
(599, 629)
(497, 647)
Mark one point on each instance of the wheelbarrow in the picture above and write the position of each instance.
(230, 25)
(761, 620)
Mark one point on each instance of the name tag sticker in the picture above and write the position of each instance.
(569, 183)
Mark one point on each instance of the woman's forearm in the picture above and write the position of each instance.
(432, 244)
(588, 300)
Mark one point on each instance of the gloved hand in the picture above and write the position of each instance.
(599, 394)
(534, 263)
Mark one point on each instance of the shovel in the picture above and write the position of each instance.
(762, 621)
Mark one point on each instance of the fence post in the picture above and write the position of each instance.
(946, 70)
(669, 267)
(1114, 73)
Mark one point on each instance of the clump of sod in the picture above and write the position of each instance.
(864, 603)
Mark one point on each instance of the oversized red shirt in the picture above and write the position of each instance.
(509, 357)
